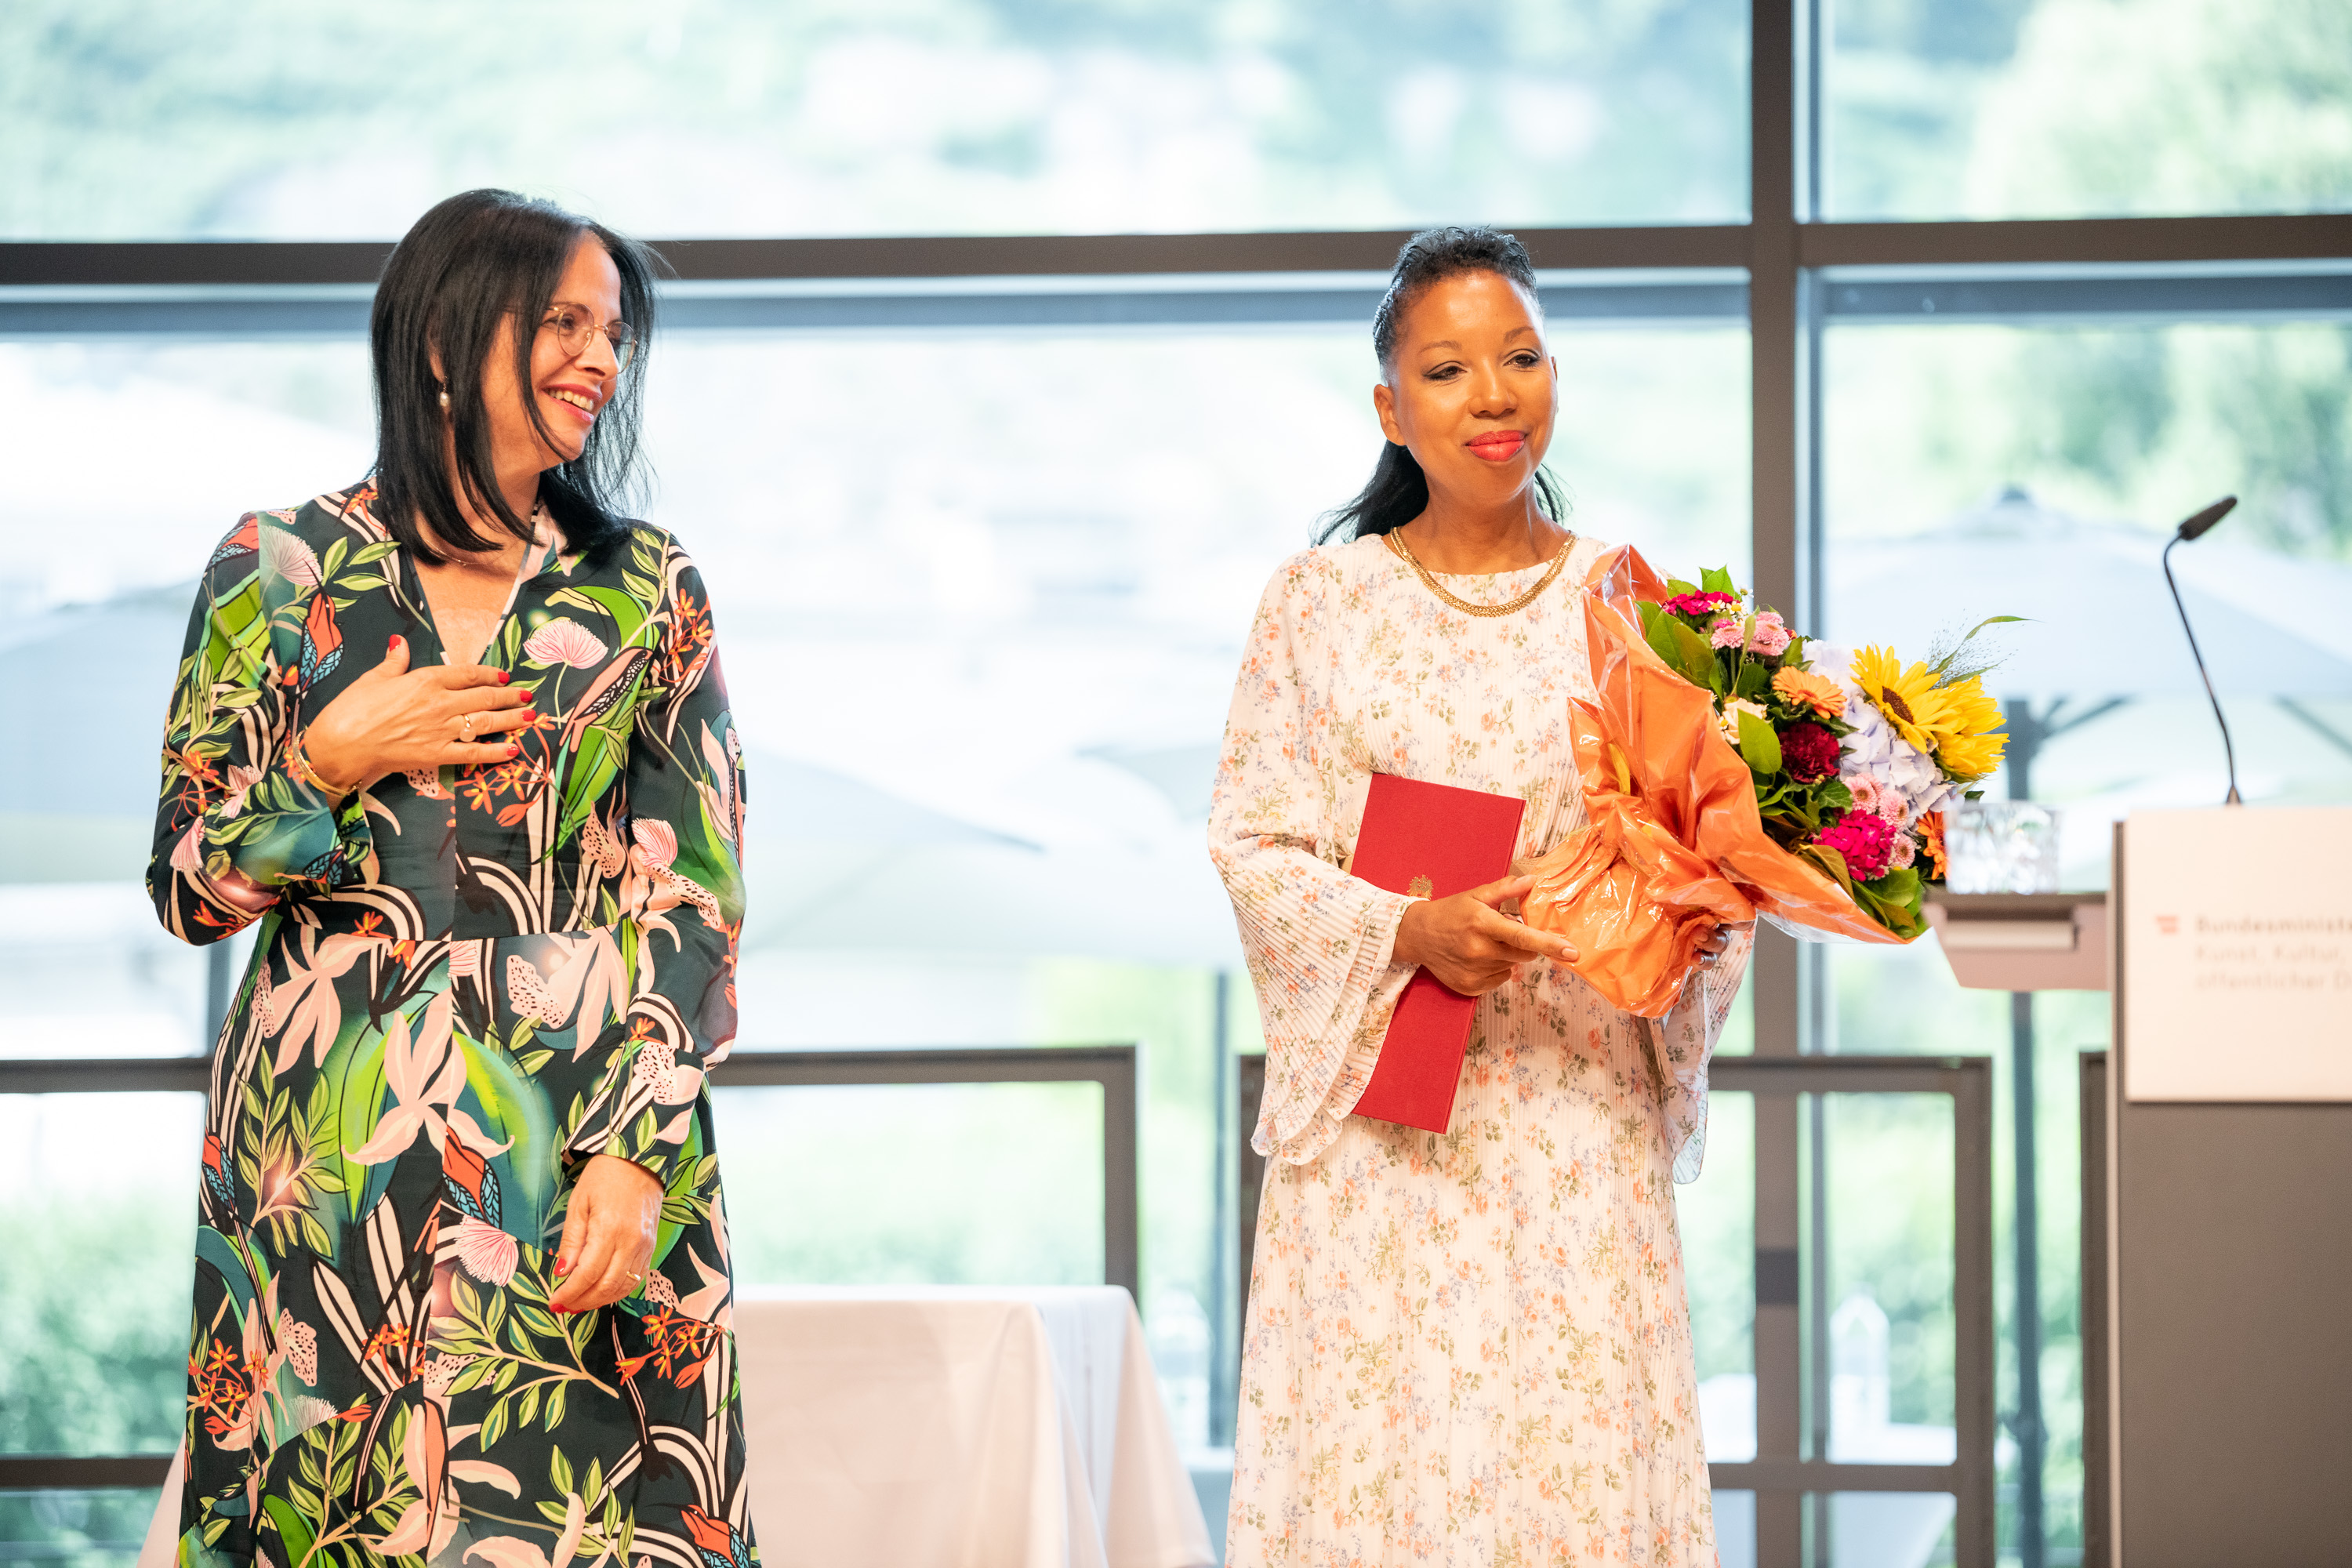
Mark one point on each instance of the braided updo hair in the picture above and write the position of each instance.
(1399, 491)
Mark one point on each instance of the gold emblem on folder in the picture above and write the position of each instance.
(1420, 887)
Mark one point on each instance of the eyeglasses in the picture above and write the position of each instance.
(572, 325)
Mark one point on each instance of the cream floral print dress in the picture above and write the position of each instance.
(1471, 1349)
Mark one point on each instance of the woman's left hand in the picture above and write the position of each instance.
(1718, 940)
(608, 1234)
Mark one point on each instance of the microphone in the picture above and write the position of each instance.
(2196, 527)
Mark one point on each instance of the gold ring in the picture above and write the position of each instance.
(466, 727)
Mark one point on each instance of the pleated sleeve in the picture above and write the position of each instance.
(1288, 803)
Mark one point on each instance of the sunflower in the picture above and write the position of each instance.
(1907, 697)
(1968, 758)
(1969, 742)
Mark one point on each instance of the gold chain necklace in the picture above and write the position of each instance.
(1559, 562)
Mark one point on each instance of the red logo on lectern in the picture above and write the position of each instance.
(2168, 924)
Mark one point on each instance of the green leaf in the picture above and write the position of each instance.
(1658, 630)
(1832, 794)
(1759, 744)
(291, 1527)
(1694, 656)
(1716, 580)
(626, 614)
(494, 1422)
(1755, 680)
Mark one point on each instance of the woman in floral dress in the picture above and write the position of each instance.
(457, 739)
(1471, 1347)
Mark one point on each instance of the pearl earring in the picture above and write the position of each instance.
(445, 400)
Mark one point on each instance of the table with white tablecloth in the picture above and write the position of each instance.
(944, 1426)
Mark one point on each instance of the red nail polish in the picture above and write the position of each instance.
(562, 1267)
(529, 714)
(513, 750)
(505, 676)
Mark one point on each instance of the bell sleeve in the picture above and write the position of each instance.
(238, 827)
(1685, 1040)
(1320, 943)
(682, 895)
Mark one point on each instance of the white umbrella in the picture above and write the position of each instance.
(2100, 621)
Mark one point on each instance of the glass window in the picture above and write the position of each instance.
(97, 1215)
(996, 1183)
(1716, 1218)
(83, 1529)
(1954, 452)
(283, 120)
(982, 596)
(1948, 108)
(1951, 449)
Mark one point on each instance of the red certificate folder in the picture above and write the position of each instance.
(1432, 841)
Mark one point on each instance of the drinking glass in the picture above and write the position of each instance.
(2002, 846)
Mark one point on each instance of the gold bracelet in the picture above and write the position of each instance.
(299, 764)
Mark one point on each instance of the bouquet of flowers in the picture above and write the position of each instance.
(1731, 767)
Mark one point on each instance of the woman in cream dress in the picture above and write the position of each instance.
(1473, 1348)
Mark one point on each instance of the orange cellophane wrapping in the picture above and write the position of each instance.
(1673, 845)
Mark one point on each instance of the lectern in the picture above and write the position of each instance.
(2222, 1426)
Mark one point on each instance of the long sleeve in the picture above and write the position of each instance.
(1685, 1039)
(1318, 942)
(683, 895)
(236, 830)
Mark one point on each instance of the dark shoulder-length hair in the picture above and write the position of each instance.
(471, 261)
(1399, 491)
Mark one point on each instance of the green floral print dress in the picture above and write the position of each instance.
(466, 982)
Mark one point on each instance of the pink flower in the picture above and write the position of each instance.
(425, 1076)
(489, 1253)
(1906, 850)
(1865, 840)
(1697, 605)
(564, 642)
(1875, 799)
(1725, 632)
(1770, 636)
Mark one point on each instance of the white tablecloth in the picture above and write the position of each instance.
(946, 1426)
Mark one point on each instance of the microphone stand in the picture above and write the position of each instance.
(2191, 528)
